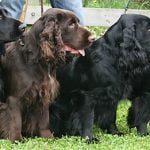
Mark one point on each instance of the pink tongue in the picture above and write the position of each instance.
(73, 51)
(82, 52)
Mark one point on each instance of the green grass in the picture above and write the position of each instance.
(97, 31)
(134, 4)
(130, 141)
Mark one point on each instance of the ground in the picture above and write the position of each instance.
(130, 141)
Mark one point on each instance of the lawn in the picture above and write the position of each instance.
(130, 141)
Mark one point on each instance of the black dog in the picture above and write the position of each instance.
(116, 65)
(10, 29)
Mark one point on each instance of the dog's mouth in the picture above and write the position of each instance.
(74, 51)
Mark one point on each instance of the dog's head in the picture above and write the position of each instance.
(10, 29)
(59, 31)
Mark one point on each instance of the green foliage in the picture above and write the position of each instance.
(134, 4)
(97, 31)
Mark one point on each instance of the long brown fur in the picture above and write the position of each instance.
(29, 68)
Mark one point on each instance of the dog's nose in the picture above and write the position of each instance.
(91, 38)
(22, 27)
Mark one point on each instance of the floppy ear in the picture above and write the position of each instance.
(132, 58)
(51, 43)
(129, 38)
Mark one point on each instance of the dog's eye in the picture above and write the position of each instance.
(72, 25)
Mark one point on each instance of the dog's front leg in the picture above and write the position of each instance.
(43, 122)
(15, 119)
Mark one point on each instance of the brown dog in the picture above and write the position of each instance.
(30, 72)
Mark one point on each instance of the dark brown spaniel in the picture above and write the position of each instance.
(29, 67)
